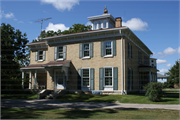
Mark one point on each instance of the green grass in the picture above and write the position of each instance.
(64, 113)
(168, 98)
(19, 96)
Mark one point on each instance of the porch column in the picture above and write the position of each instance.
(35, 79)
(30, 77)
(22, 80)
(149, 76)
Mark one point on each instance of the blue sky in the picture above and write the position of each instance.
(156, 23)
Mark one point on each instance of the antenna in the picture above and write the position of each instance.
(42, 21)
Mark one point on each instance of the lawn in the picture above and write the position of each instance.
(64, 113)
(168, 98)
(19, 96)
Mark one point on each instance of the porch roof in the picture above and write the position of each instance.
(50, 64)
(147, 68)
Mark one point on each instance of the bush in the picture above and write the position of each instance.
(154, 91)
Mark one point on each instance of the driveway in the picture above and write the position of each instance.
(45, 103)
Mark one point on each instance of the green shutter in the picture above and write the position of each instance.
(101, 78)
(80, 51)
(102, 49)
(55, 53)
(114, 47)
(91, 49)
(132, 78)
(129, 82)
(79, 79)
(36, 56)
(44, 55)
(131, 51)
(115, 78)
(92, 79)
(64, 52)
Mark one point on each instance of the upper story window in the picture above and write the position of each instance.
(40, 55)
(60, 53)
(108, 48)
(104, 24)
(129, 50)
(86, 50)
(146, 60)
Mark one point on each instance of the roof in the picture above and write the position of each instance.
(161, 76)
(50, 64)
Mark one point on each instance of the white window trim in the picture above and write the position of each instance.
(112, 77)
(42, 55)
(105, 49)
(58, 54)
(82, 76)
(86, 57)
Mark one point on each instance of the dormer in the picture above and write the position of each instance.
(102, 21)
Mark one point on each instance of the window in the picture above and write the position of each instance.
(129, 50)
(146, 60)
(86, 50)
(85, 77)
(140, 57)
(60, 53)
(108, 76)
(130, 79)
(104, 24)
(108, 48)
(40, 55)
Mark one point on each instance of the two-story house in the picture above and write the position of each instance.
(110, 57)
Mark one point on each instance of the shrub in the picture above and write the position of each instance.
(154, 91)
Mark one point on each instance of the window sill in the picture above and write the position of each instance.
(40, 61)
(108, 86)
(108, 56)
(86, 58)
(60, 60)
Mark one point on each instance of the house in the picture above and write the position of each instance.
(161, 78)
(109, 58)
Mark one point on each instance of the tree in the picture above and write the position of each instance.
(12, 50)
(174, 74)
(75, 29)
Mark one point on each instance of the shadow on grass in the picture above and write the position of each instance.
(19, 96)
(74, 113)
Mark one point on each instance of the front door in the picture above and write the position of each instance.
(60, 80)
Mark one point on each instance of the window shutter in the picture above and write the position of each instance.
(131, 51)
(92, 79)
(44, 55)
(64, 52)
(102, 49)
(36, 56)
(115, 78)
(55, 53)
(132, 79)
(91, 49)
(79, 79)
(129, 84)
(101, 78)
(114, 47)
(80, 51)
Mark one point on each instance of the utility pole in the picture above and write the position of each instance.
(42, 22)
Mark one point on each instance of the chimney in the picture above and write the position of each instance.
(118, 22)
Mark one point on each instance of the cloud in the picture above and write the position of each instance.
(88, 23)
(168, 65)
(136, 24)
(169, 51)
(20, 22)
(56, 27)
(159, 61)
(163, 70)
(6, 15)
(62, 4)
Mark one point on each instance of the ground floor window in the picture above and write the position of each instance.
(85, 77)
(108, 76)
(130, 79)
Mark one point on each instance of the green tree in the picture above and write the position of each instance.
(174, 74)
(12, 50)
(74, 29)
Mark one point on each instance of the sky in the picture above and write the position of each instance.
(155, 23)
